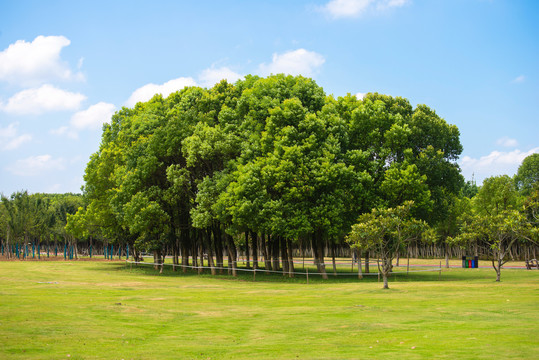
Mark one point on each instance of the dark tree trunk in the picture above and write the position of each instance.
(318, 252)
(254, 244)
(218, 247)
(231, 254)
(290, 259)
(274, 241)
(248, 265)
(265, 252)
(284, 255)
(209, 249)
(333, 259)
(367, 260)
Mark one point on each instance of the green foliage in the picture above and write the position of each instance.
(527, 176)
(268, 155)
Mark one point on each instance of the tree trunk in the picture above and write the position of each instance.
(318, 250)
(284, 255)
(254, 246)
(201, 251)
(290, 259)
(359, 267)
(218, 247)
(209, 247)
(386, 268)
(367, 260)
(8, 249)
(274, 245)
(265, 252)
(333, 259)
(231, 255)
(248, 259)
(446, 256)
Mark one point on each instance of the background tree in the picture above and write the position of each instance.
(527, 176)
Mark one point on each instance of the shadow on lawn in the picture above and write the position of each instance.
(261, 276)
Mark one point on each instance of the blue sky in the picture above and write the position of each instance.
(66, 66)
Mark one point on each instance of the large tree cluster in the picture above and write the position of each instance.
(270, 164)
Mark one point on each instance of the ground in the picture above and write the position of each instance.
(107, 310)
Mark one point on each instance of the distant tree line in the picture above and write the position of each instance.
(274, 166)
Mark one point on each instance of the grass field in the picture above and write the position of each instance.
(106, 310)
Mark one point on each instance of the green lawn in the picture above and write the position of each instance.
(105, 310)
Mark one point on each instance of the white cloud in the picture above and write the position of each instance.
(354, 8)
(39, 100)
(211, 76)
(9, 140)
(360, 96)
(387, 4)
(507, 142)
(495, 163)
(296, 62)
(32, 63)
(147, 91)
(346, 8)
(36, 165)
(65, 131)
(519, 79)
(94, 117)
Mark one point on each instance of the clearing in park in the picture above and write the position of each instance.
(107, 310)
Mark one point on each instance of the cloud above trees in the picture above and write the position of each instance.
(43, 99)
(354, 8)
(32, 63)
(495, 163)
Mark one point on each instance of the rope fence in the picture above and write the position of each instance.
(306, 273)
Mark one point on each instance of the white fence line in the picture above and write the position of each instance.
(329, 273)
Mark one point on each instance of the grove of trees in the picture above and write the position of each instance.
(274, 166)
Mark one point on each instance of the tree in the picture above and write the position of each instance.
(495, 221)
(498, 232)
(384, 230)
(528, 174)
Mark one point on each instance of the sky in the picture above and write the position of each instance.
(67, 66)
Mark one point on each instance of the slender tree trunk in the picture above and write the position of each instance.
(201, 251)
(290, 259)
(163, 256)
(334, 263)
(247, 256)
(254, 246)
(385, 270)
(218, 247)
(319, 246)
(265, 252)
(231, 255)
(359, 265)
(209, 248)
(367, 261)
(8, 247)
(284, 255)
(274, 241)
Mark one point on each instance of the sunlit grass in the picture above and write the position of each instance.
(107, 310)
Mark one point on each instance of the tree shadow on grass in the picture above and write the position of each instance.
(343, 276)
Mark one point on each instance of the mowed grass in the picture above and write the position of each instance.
(106, 310)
